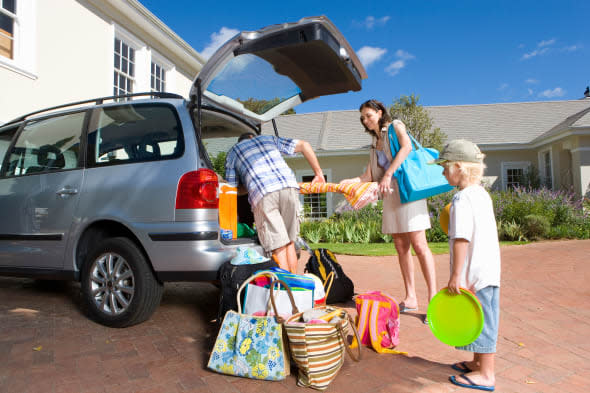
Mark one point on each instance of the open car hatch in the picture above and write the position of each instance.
(261, 74)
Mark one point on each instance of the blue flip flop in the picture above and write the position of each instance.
(403, 308)
(470, 385)
(461, 367)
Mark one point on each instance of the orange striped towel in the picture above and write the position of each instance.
(358, 194)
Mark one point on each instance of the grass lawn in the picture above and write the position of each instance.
(382, 249)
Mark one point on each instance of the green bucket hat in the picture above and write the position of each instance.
(460, 150)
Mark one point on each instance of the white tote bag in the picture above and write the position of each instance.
(257, 301)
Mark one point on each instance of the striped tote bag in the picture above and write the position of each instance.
(318, 349)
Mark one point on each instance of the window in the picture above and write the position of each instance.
(513, 177)
(158, 77)
(546, 169)
(124, 75)
(47, 145)
(315, 206)
(6, 136)
(132, 133)
(512, 174)
(7, 27)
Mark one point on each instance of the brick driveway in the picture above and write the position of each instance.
(47, 345)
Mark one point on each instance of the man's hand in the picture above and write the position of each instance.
(318, 179)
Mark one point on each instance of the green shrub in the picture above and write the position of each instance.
(511, 231)
(521, 214)
(536, 226)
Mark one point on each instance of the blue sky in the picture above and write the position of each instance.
(447, 52)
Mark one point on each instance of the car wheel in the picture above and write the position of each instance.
(118, 287)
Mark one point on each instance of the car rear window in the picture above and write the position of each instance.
(134, 133)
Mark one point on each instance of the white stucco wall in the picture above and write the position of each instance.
(71, 61)
(72, 51)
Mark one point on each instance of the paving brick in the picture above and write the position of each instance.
(169, 353)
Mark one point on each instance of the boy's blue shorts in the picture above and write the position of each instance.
(489, 297)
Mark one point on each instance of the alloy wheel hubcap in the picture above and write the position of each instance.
(112, 283)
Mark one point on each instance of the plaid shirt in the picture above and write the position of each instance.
(257, 163)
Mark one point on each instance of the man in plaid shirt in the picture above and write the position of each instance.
(256, 165)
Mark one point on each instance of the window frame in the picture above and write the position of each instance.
(118, 72)
(506, 165)
(299, 174)
(166, 66)
(543, 168)
(24, 47)
(11, 15)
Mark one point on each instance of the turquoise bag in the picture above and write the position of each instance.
(416, 178)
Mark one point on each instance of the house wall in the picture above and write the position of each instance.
(496, 161)
(73, 48)
(581, 162)
(335, 167)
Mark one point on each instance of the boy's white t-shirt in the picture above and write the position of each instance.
(472, 218)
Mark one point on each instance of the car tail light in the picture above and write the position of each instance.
(197, 190)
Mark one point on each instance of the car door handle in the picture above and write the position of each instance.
(67, 191)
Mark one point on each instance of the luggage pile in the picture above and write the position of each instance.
(272, 317)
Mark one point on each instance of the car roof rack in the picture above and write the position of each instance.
(97, 101)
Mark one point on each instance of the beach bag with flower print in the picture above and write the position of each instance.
(250, 346)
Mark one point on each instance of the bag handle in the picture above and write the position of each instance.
(354, 357)
(250, 279)
(394, 142)
(294, 309)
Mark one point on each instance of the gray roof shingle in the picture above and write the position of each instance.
(519, 123)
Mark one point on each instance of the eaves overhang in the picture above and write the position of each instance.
(536, 143)
(132, 15)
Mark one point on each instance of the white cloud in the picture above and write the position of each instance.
(534, 53)
(531, 81)
(218, 39)
(402, 54)
(395, 67)
(546, 43)
(503, 86)
(557, 92)
(530, 91)
(571, 48)
(542, 48)
(370, 21)
(370, 54)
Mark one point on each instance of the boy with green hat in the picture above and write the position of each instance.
(474, 256)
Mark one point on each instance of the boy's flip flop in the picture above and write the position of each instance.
(470, 385)
(461, 367)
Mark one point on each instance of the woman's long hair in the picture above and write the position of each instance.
(376, 106)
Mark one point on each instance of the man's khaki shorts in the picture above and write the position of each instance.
(277, 218)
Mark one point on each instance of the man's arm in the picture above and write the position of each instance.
(305, 148)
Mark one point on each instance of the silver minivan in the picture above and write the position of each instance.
(119, 192)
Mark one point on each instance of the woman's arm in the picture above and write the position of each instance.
(405, 149)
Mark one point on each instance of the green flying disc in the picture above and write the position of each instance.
(455, 320)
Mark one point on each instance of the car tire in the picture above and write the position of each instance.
(118, 286)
